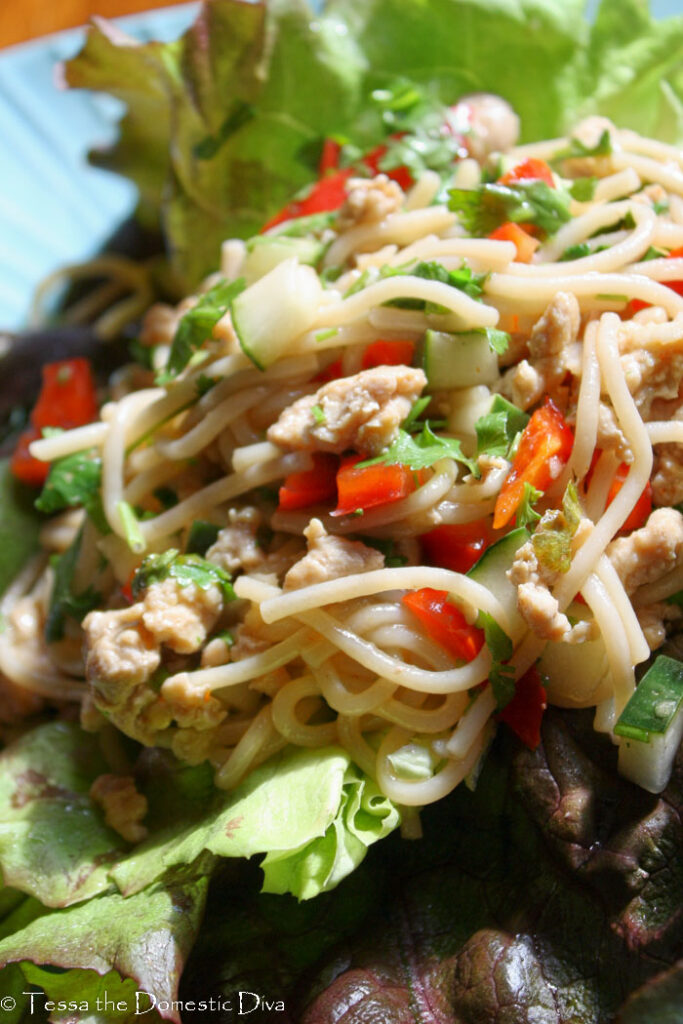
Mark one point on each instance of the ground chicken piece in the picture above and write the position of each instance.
(118, 650)
(653, 619)
(493, 124)
(194, 746)
(551, 344)
(651, 552)
(181, 616)
(651, 376)
(667, 475)
(330, 557)
(610, 438)
(236, 546)
(535, 602)
(362, 412)
(369, 200)
(124, 808)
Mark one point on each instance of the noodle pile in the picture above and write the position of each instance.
(342, 659)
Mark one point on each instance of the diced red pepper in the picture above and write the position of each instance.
(24, 467)
(635, 305)
(401, 175)
(544, 447)
(67, 399)
(326, 195)
(310, 486)
(369, 486)
(525, 711)
(329, 158)
(457, 546)
(524, 243)
(388, 353)
(529, 170)
(333, 371)
(640, 512)
(445, 623)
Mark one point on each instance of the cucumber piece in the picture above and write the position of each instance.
(458, 360)
(651, 726)
(275, 310)
(578, 674)
(491, 571)
(264, 253)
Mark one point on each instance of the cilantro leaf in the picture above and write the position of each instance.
(578, 149)
(526, 513)
(486, 207)
(201, 536)
(583, 189)
(499, 341)
(63, 601)
(387, 547)
(497, 430)
(421, 451)
(75, 481)
(185, 569)
(501, 675)
(196, 326)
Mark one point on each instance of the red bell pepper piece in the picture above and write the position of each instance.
(326, 195)
(445, 623)
(457, 546)
(67, 399)
(525, 711)
(544, 447)
(401, 175)
(635, 305)
(369, 486)
(329, 158)
(529, 170)
(388, 353)
(333, 371)
(640, 512)
(524, 243)
(310, 486)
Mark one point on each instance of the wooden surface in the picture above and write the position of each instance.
(26, 19)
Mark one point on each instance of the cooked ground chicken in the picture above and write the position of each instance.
(181, 616)
(651, 552)
(552, 352)
(124, 808)
(159, 324)
(330, 557)
(236, 546)
(362, 412)
(535, 602)
(667, 475)
(651, 377)
(119, 649)
(610, 437)
(368, 201)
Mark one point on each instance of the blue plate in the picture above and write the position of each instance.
(54, 207)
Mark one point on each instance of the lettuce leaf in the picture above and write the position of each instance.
(219, 133)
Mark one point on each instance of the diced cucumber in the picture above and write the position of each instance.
(491, 571)
(578, 674)
(651, 726)
(275, 310)
(467, 406)
(264, 253)
(458, 360)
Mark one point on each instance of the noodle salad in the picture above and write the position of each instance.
(406, 468)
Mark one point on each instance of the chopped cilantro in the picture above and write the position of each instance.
(63, 602)
(578, 149)
(653, 254)
(387, 547)
(318, 414)
(185, 569)
(583, 189)
(197, 324)
(575, 252)
(486, 207)
(204, 383)
(526, 513)
(498, 429)
(410, 422)
(166, 497)
(72, 481)
(201, 536)
(501, 675)
(421, 451)
(661, 206)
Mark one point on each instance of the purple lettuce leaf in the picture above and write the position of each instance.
(496, 916)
